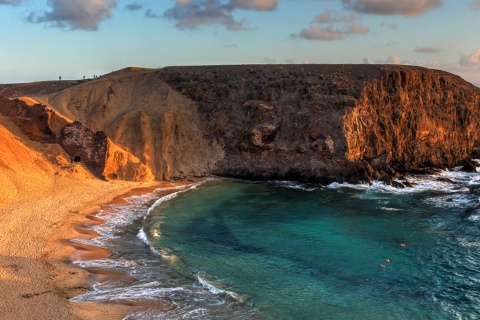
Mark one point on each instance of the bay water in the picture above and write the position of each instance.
(229, 249)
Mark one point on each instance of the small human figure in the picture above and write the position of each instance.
(60, 78)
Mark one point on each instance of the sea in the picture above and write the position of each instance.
(232, 249)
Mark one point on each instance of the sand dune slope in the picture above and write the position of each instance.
(40, 191)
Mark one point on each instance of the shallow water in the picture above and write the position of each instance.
(235, 250)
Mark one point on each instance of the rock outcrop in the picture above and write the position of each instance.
(332, 122)
(316, 123)
(38, 122)
(100, 155)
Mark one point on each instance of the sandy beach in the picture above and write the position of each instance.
(36, 279)
(41, 200)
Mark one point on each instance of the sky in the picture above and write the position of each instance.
(45, 39)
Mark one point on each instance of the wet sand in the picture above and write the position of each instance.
(36, 279)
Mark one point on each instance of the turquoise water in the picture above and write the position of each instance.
(227, 249)
(330, 253)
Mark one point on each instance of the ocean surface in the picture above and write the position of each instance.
(227, 249)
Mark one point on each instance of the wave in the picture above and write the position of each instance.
(107, 263)
(216, 288)
(475, 216)
(142, 235)
(151, 291)
(294, 185)
(445, 182)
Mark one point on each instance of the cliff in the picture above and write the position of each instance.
(319, 123)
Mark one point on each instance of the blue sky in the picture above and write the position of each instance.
(43, 39)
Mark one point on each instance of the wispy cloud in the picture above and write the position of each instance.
(76, 14)
(134, 7)
(11, 2)
(267, 60)
(476, 4)
(391, 26)
(330, 17)
(390, 60)
(319, 33)
(335, 27)
(260, 5)
(150, 14)
(190, 14)
(427, 50)
(392, 7)
(471, 60)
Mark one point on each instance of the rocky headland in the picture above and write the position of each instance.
(309, 123)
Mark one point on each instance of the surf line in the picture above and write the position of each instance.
(142, 235)
(85, 250)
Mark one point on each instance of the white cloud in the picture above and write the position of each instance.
(468, 66)
(394, 60)
(260, 5)
(337, 26)
(390, 60)
(76, 14)
(472, 60)
(191, 14)
(392, 7)
(426, 50)
(357, 29)
(319, 33)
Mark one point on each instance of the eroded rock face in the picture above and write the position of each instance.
(102, 157)
(38, 122)
(314, 123)
(329, 123)
(411, 118)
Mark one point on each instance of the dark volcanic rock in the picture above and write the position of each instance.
(311, 123)
(102, 157)
(86, 145)
(366, 122)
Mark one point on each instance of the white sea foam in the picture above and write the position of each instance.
(390, 209)
(475, 216)
(144, 292)
(166, 255)
(143, 237)
(294, 185)
(444, 182)
(216, 288)
(107, 263)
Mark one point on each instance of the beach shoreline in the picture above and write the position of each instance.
(77, 251)
(37, 278)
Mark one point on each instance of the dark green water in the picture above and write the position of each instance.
(235, 250)
(323, 254)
